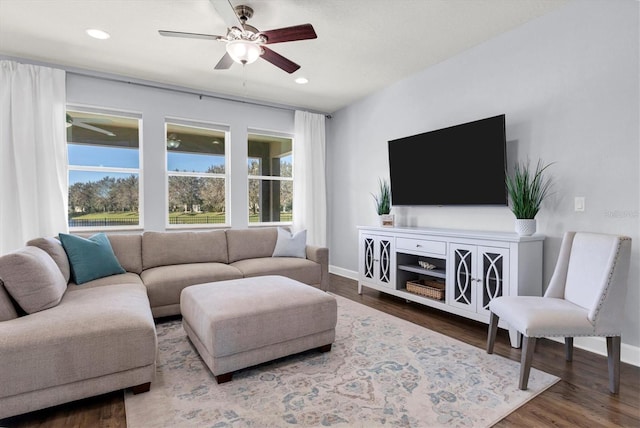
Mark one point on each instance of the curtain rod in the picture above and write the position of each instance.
(150, 84)
(182, 90)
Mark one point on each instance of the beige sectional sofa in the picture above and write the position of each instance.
(100, 336)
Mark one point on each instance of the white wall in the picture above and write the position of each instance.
(157, 104)
(568, 84)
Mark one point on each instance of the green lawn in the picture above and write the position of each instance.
(174, 218)
(109, 215)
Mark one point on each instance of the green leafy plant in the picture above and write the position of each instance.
(383, 198)
(527, 189)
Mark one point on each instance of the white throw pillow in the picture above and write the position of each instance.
(291, 245)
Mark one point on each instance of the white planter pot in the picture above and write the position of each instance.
(387, 220)
(525, 226)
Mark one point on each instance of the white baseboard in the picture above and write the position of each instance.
(598, 345)
(628, 354)
(343, 272)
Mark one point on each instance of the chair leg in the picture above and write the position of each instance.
(613, 359)
(493, 330)
(528, 346)
(568, 348)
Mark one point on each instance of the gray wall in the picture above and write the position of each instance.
(157, 104)
(568, 84)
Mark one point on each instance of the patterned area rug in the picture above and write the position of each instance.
(381, 371)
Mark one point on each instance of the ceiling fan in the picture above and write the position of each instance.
(81, 124)
(245, 43)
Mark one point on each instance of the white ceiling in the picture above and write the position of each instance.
(362, 45)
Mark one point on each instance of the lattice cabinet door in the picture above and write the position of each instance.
(494, 276)
(461, 276)
(377, 259)
(479, 275)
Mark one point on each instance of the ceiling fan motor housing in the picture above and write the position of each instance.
(243, 12)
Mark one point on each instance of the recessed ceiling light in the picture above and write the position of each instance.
(98, 34)
(301, 80)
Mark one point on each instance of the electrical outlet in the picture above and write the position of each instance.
(578, 204)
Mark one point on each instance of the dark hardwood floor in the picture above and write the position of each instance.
(580, 399)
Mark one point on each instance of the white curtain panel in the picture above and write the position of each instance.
(310, 189)
(33, 154)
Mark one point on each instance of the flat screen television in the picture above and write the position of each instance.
(459, 165)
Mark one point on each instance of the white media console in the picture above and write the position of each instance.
(475, 266)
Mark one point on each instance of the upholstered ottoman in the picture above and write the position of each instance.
(239, 323)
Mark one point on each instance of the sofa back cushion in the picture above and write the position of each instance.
(128, 250)
(32, 278)
(174, 248)
(54, 248)
(251, 243)
(7, 309)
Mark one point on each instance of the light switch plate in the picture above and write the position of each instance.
(578, 204)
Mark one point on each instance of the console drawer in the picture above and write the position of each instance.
(421, 245)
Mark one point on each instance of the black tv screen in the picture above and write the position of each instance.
(459, 165)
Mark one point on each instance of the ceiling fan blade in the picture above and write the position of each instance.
(225, 62)
(92, 128)
(167, 33)
(227, 12)
(290, 34)
(279, 61)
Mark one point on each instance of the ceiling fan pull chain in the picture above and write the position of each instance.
(244, 80)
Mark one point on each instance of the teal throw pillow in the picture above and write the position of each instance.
(90, 258)
(291, 245)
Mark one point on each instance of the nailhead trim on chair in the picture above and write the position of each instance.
(613, 268)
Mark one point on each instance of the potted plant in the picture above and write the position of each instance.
(383, 203)
(527, 189)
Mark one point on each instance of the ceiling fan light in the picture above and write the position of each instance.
(243, 52)
(173, 142)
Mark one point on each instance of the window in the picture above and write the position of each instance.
(104, 170)
(197, 175)
(270, 170)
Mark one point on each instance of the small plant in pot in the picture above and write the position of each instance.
(527, 189)
(383, 203)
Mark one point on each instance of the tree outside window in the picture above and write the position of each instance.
(196, 159)
(103, 156)
(270, 173)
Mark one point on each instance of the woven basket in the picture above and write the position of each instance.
(426, 288)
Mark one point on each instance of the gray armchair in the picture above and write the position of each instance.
(585, 297)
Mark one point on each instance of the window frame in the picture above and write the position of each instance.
(275, 134)
(76, 108)
(212, 126)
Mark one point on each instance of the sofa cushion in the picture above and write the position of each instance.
(251, 243)
(175, 248)
(122, 278)
(54, 248)
(164, 283)
(290, 244)
(32, 278)
(92, 332)
(90, 258)
(302, 270)
(128, 249)
(7, 309)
